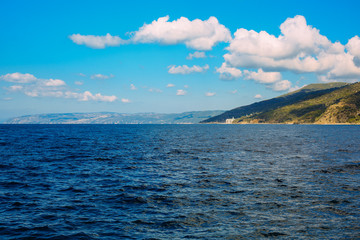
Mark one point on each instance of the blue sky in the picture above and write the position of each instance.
(164, 56)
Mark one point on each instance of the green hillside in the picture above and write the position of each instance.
(340, 105)
(306, 93)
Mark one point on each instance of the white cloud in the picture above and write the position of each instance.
(170, 85)
(40, 87)
(101, 76)
(186, 86)
(81, 75)
(296, 36)
(18, 77)
(228, 73)
(353, 46)
(281, 85)
(273, 80)
(292, 89)
(328, 78)
(181, 92)
(15, 88)
(87, 96)
(196, 54)
(125, 100)
(79, 83)
(196, 34)
(132, 87)
(97, 42)
(299, 64)
(156, 90)
(300, 48)
(210, 94)
(234, 91)
(258, 96)
(184, 69)
(54, 82)
(51, 88)
(262, 77)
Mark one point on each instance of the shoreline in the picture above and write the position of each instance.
(242, 123)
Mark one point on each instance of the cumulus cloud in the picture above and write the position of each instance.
(353, 46)
(228, 73)
(101, 76)
(196, 55)
(51, 88)
(294, 88)
(258, 96)
(132, 87)
(210, 94)
(18, 77)
(184, 69)
(155, 90)
(88, 96)
(262, 77)
(15, 88)
(54, 82)
(300, 48)
(282, 85)
(196, 34)
(296, 36)
(170, 85)
(181, 92)
(125, 100)
(41, 88)
(97, 42)
(273, 80)
(79, 83)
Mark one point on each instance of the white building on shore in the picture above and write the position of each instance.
(230, 120)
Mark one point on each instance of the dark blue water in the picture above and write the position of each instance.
(179, 182)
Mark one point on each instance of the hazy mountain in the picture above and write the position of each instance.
(114, 118)
(315, 103)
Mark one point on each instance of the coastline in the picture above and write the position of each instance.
(244, 123)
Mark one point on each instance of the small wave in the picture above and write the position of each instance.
(72, 189)
(13, 184)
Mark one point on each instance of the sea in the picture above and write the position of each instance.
(199, 181)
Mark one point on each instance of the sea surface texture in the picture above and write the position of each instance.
(179, 182)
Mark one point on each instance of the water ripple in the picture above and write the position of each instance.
(179, 182)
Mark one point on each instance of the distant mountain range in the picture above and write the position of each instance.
(115, 118)
(316, 103)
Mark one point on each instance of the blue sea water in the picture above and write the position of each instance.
(179, 182)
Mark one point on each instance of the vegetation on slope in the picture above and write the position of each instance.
(341, 105)
(308, 92)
